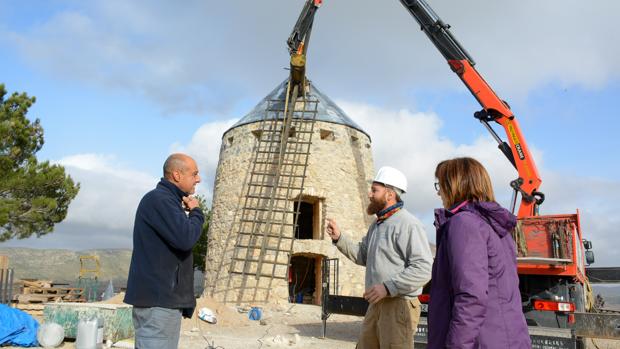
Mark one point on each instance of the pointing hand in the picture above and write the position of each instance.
(332, 229)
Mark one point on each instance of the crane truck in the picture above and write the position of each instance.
(553, 255)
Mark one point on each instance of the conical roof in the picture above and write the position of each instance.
(327, 110)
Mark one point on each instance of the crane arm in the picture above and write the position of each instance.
(493, 108)
(301, 31)
(298, 43)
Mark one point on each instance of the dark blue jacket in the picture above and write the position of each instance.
(161, 272)
(475, 299)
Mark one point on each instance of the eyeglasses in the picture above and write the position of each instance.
(437, 186)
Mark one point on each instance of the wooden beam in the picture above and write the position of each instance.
(4, 262)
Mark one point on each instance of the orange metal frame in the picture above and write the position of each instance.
(504, 116)
(526, 168)
(573, 269)
(542, 261)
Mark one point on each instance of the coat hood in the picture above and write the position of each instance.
(499, 218)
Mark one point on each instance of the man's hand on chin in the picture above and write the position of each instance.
(190, 202)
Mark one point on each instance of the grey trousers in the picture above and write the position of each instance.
(157, 328)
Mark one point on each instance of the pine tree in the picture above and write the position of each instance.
(200, 249)
(33, 196)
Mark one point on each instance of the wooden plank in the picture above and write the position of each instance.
(4, 262)
(31, 306)
(44, 298)
(37, 283)
(34, 298)
(55, 290)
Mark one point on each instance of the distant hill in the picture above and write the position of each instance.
(610, 293)
(64, 265)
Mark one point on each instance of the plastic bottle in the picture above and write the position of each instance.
(100, 331)
(255, 313)
(109, 292)
(90, 333)
(86, 337)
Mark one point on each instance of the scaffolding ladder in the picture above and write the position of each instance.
(268, 219)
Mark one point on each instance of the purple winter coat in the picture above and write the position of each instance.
(475, 300)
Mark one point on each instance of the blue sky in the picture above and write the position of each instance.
(120, 85)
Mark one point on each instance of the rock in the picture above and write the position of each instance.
(296, 340)
(278, 339)
(263, 322)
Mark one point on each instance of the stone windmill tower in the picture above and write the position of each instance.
(277, 181)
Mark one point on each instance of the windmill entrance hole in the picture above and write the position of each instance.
(304, 279)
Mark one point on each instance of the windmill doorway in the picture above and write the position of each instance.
(304, 279)
(309, 221)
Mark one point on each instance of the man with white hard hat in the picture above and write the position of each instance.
(398, 264)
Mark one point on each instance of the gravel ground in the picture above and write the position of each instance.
(282, 326)
(296, 325)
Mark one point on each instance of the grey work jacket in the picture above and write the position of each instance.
(395, 253)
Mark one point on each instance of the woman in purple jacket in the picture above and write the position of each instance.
(475, 300)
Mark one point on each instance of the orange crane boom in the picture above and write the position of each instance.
(298, 44)
(493, 108)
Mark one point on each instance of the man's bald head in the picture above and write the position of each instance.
(176, 162)
(182, 171)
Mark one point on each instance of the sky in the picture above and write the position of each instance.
(122, 84)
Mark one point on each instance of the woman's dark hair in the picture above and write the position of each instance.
(463, 179)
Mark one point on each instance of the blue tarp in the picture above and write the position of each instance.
(17, 328)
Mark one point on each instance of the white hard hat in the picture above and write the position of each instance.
(392, 177)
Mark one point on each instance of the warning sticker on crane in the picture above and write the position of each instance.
(515, 140)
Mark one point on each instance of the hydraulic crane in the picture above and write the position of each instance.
(493, 108)
(555, 292)
(551, 259)
(298, 45)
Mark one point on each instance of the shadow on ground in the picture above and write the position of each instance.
(343, 331)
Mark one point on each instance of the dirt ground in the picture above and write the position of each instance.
(281, 326)
(291, 325)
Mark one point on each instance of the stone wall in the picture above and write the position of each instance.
(340, 169)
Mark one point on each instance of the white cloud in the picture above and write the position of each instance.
(204, 147)
(597, 202)
(207, 55)
(109, 191)
(102, 214)
(412, 142)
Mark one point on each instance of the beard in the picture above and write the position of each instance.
(375, 206)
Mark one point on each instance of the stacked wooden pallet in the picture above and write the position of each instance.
(35, 293)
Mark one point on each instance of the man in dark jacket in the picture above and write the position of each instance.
(161, 279)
